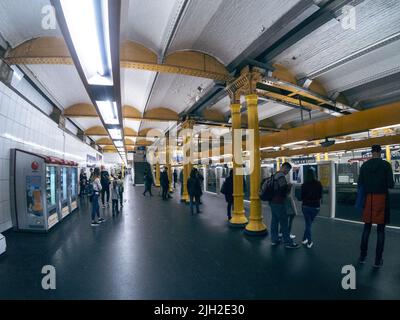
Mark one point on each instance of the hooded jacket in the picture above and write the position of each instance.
(376, 176)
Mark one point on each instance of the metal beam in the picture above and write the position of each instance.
(356, 122)
(347, 146)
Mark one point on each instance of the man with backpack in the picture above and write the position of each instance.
(275, 190)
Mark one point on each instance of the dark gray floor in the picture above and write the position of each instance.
(156, 250)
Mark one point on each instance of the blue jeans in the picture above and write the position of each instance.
(309, 215)
(279, 217)
(194, 199)
(95, 206)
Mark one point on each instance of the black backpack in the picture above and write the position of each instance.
(267, 189)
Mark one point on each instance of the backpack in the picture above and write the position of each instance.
(223, 188)
(267, 189)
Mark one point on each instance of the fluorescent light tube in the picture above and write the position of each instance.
(119, 144)
(108, 111)
(115, 134)
(90, 38)
(293, 143)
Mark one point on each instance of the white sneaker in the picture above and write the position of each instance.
(309, 246)
(305, 242)
(292, 236)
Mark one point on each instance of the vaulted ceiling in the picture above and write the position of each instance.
(175, 53)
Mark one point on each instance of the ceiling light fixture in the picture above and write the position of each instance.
(90, 38)
(108, 111)
(293, 143)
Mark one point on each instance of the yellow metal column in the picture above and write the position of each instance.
(169, 162)
(157, 171)
(239, 218)
(255, 225)
(326, 156)
(278, 165)
(318, 157)
(388, 154)
(187, 167)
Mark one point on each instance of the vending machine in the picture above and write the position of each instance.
(63, 191)
(73, 188)
(39, 190)
(33, 191)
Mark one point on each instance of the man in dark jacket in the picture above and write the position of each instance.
(105, 185)
(148, 182)
(227, 191)
(194, 190)
(175, 177)
(278, 208)
(376, 178)
(164, 183)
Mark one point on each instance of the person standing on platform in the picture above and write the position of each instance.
(375, 179)
(201, 179)
(311, 195)
(82, 182)
(194, 190)
(105, 184)
(164, 183)
(278, 208)
(114, 197)
(148, 182)
(175, 177)
(227, 191)
(95, 198)
(181, 180)
(121, 190)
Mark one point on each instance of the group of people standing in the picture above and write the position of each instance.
(105, 186)
(375, 180)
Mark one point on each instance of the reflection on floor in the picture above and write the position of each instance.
(157, 250)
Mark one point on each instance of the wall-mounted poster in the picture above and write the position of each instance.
(34, 195)
(91, 161)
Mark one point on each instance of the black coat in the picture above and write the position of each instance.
(228, 189)
(164, 181)
(376, 176)
(194, 186)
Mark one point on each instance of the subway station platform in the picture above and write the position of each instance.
(156, 250)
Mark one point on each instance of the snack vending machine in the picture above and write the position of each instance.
(73, 188)
(63, 191)
(36, 190)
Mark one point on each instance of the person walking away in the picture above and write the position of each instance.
(148, 182)
(105, 184)
(164, 183)
(181, 180)
(121, 190)
(194, 190)
(227, 191)
(95, 198)
(115, 197)
(311, 195)
(376, 178)
(175, 177)
(82, 182)
(281, 189)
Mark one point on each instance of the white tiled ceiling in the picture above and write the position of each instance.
(132, 124)
(21, 20)
(86, 123)
(136, 85)
(224, 28)
(149, 22)
(375, 20)
(63, 83)
(271, 108)
(176, 92)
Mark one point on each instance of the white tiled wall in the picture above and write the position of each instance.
(24, 127)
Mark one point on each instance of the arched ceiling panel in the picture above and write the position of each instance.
(136, 85)
(62, 82)
(149, 22)
(21, 20)
(132, 124)
(176, 92)
(224, 28)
